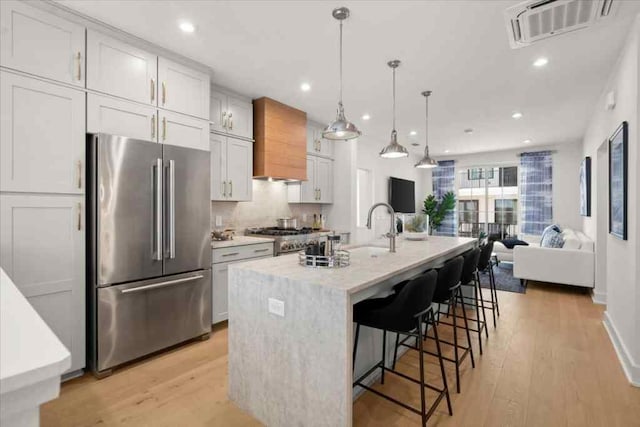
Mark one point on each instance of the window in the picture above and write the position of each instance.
(488, 201)
(364, 196)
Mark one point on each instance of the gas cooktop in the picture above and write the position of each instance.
(275, 231)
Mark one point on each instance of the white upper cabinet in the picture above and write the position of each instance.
(185, 131)
(316, 144)
(40, 43)
(318, 188)
(308, 190)
(183, 89)
(118, 117)
(119, 69)
(231, 115)
(42, 136)
(231, 169)
(240, 169)
(45, 257)
(324, 180)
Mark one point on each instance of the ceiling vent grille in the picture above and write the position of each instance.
(532, 21)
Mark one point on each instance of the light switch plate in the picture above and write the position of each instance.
(276, 307)
(218, 220)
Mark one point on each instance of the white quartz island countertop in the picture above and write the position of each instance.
(32, 358)
(291, 328)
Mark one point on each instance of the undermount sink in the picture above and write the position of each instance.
(371, 251)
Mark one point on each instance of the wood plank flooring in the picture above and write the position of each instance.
(548, 363)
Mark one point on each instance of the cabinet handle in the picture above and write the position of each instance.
(79, 216)
(230, 121)
(164, 128)
(79, 173)
(79, 64)
(231, 254)
(230, 188)
(153, 90)
(319, 145)
(224, 188)
(153, 126)
(260, 250)
(319, 193)
(224, 119)
(164, 93)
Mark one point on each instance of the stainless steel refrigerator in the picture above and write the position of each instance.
(149, 248)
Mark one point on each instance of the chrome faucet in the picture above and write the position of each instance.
(392, 228)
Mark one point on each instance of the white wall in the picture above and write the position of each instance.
(622, 287)
(566, 167)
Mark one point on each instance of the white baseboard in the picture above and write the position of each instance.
(631, 370)
(599, 298)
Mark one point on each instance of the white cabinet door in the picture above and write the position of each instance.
(42, 136)
(218, 111)
(119, 69)
(185, 131)
(183, 89)
(324, 179)
(325, 146)
(218, 147)
(308, 188)
(42, 249)
(219, 292)
(240, 117)
(312, 147)
(117, 117)
(40, 43)
(239, 169)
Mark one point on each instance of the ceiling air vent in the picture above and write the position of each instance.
(531, 21)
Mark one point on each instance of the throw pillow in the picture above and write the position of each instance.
(552, 239)
(510, 243)
(552, 227)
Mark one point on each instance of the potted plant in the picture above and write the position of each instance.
(437, 210)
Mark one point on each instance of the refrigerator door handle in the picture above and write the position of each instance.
(172, 209)
(158, 169)
(162, 284)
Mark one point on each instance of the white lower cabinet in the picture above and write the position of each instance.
(318, 188)
(117, 117)
(184, 131)
(42, 136)
(231, 168)
(42, 249)
(220, 274)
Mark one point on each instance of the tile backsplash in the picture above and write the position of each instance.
(269, 203)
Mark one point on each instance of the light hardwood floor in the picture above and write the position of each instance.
(548, 363)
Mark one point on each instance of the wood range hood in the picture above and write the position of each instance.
(280, 149)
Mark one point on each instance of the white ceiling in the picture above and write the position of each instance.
(458, 49)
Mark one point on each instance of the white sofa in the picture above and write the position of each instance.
(504, 254)
(573, 264)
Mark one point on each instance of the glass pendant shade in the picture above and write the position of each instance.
(394, 150)
(426, 162)
(341, 129)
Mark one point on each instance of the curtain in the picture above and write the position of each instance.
(444, 180)
(536, 197)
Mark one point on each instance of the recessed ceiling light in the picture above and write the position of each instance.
(413, 133)
(366, 117)
(516, 115)
(468, 131)
(540, 62)
(305, 87)
(187, 27)
(526, 141)
(446, 151)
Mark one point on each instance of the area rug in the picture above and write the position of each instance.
(505, 281)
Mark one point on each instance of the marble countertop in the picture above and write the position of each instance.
(239, 241)
(29, 351)
(369, 263)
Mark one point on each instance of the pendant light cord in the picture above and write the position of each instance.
(394, 99)
(341, 64)
(426, 127)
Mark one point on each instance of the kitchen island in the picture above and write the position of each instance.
(291, 329)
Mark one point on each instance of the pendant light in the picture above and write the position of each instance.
(394, 150)
(426, 162)
(341, 128)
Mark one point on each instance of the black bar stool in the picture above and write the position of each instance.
(448, 291)
(486, 264)
(404, 313)
(469, 279)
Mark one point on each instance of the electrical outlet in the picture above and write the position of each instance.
(276, 307)
(218, 220)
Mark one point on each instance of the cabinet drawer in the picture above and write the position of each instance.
(236, 253)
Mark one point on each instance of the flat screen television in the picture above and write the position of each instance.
(402, 195)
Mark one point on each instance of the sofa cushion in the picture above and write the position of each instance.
(548, 229)
(510, 243)
(552, 239)
(586, 244)
(571, 240)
